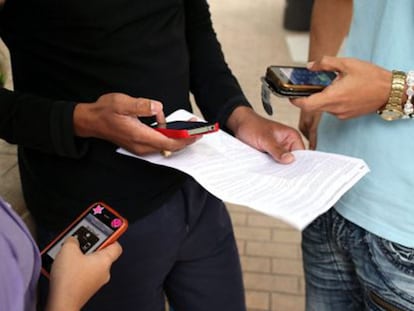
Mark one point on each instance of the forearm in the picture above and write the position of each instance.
(55, 304)
(329, 26)
(215, 89)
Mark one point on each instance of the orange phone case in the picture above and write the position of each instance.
(111, 239)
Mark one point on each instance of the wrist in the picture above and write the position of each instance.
(237, 117)
(393, 109)
(56, 304)
(81, 120)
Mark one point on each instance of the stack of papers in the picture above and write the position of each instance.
(296, 193)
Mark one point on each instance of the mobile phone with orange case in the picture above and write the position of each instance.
(98, 226)
(186, 129)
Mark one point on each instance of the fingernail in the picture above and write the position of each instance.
(310, 65)
(166, 153)
(287, 157)
(156, 106)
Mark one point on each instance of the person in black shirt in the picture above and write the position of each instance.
(83, 72)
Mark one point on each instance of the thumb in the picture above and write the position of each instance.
(281, 155)
(112, 251)
(327, 63)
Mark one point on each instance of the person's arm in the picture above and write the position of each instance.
(329, 26)
(76, 277)
(38, 123)
(219, 95)
(361, 87)
(12, 281)
(212, 83)
(59, 127)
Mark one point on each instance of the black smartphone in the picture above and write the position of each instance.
(185, 129)
(98, 226)
(291, 81)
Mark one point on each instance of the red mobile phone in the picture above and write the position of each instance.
(185, 129)
(98, 226)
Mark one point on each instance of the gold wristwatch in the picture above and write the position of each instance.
(393, 110)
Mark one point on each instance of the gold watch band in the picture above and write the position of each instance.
(393, 110)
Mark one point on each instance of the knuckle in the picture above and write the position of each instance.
(143, 102)
(107, 278)
(325, 60)
(117, 97)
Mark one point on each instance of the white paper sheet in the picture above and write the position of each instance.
(233, 171)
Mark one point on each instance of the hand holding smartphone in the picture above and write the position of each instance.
(98, 226)
(186, 129)
(288, 81)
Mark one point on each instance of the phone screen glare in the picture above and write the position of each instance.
(303, 76)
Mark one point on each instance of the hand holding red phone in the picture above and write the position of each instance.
(97, 227)
(76, 277)
(113, 117)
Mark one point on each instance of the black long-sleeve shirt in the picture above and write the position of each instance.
(65, 52)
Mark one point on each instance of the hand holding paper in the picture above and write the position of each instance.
(265, 135)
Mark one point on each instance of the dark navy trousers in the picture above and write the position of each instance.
(185, 251)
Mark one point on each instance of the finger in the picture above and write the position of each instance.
(160, 142)
(312, 144)
(140, 107)
(71, 243)
(297, 144)
(145, 107)
(281, 155)
(160, 117)
(72, 240)
(299, 101)
(112, 251)
(312, 140)
(327, 63)
(316, 102)
(176, 144)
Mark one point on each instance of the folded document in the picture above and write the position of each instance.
(296, 193)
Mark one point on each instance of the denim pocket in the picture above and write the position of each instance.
(394, 264)
(400, 256)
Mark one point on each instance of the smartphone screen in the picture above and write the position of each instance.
(185, 129)
(303, 76)
(97, 227)
(297, 81)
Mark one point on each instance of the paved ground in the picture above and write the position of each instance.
(252, 37)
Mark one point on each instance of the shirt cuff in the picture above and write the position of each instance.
(62, 131)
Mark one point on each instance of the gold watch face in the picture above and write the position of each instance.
(391, 114)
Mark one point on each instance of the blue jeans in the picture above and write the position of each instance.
(348, 268)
